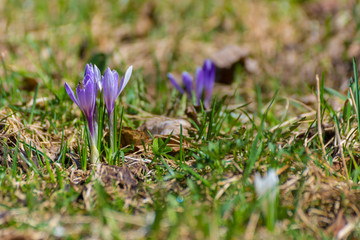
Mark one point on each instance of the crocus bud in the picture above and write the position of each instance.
(112, 88)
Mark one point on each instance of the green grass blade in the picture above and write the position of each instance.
(34, 104)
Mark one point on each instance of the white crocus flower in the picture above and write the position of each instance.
(266, 184)
(267, 188)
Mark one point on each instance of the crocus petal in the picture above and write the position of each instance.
(71, 94)
(126, 79)
(84, 103)
(97, 75)
(89, 71)
(109, 90)
(199, 84)
(94, 95)
(115, 75)
(99, 85)
(88, 68)
(267, 183)
(188, 83)
(89, 108)
(87, 97)
(209, 80)
(87, 78)
(115, 84)
(174, 83)
(120, 86)
(208, 65)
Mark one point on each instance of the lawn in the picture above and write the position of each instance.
(214, 119)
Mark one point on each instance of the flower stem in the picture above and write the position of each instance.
(94, 153)
(94, 157)
(112, 133)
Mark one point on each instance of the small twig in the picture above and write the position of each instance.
(251, 227)
(222, 191)
(346, 231)
(319, 115)
(236, 166)
(139, 159)
(293, 120)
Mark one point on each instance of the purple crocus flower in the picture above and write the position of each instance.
(111, 91)
(206, 79)
(112, 88)
(204, 83)
(86, 92)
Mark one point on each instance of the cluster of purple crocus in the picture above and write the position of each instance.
(93, 82)
(204, 83)
(86, 93)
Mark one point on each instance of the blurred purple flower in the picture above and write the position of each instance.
(208, 75)
(188, 83)
(174, 83)
(86, 92)
(112, 88)
(204, 83)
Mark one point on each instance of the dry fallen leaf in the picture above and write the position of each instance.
(29, 84)
(164, 126)
(130, 136)
(121, 176)
(225, 61)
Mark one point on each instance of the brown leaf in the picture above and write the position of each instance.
(29, 84)
(130, 136)
(225, 61)
(164, 126)
(121, 176)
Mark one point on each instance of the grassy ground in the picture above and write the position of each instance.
(197, 183)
